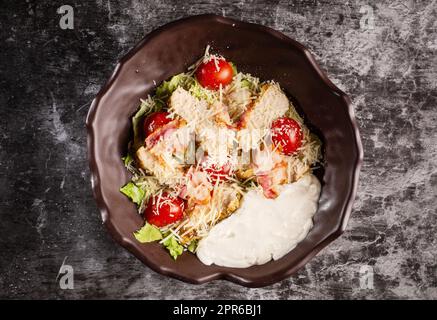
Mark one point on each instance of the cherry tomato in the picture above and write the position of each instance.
(163, 210)
(286, 135)
(155, 121)
(213, 73)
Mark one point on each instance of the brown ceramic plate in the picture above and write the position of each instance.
(264, 53)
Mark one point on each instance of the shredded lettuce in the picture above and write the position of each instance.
(173, 246)
(148, 233)
(133, 192)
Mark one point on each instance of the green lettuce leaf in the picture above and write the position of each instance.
(127, 159)
(164, 91)
(133, 192)
(173, 246)
(192, 246)
(245, 83)
(148, 233)
(201, 93)
(148, 184)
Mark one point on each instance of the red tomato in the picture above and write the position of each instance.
(213, 73)
(155, 121)
(286, 135)
(161, 211)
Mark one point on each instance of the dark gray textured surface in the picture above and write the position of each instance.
(48, 77)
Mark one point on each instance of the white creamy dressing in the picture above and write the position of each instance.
(263, 229)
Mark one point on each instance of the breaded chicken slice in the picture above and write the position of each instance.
(186, 106)
(271, 104)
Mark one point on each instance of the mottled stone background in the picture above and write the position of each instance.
(48, 77)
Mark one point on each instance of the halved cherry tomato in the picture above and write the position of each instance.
(213, 73)
(286, 135)
(155, 121)
(163, 210)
